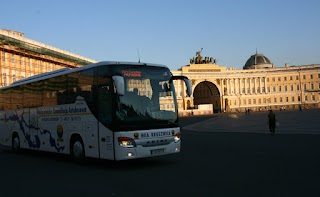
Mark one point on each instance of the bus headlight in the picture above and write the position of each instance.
(126, 142)
(177, 137)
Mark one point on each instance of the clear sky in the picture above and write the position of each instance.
(171, 31)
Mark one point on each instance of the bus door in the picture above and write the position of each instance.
(104, 106)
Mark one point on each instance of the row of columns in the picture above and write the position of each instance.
(238, 89)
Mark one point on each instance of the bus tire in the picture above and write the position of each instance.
(77, 149)
(15, 142)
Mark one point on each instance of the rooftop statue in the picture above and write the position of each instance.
(199, 60)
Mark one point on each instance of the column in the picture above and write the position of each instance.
(227, 83)
(250, 86)
(260, 88)
(222, 87)
(240, 86)
(255, 85)
(245, 85)
(265, 85)
(234, 86)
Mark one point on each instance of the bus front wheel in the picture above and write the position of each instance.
(15, 142)
(77, 149)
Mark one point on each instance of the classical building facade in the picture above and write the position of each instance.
(21, 57)
(259, 86)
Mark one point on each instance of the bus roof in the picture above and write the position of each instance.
(64, 71)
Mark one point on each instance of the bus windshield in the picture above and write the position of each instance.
(149, 100)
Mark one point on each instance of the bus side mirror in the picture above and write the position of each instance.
(119, 83)
(189, 86)
(186, 81)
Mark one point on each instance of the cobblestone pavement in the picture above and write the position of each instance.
(291, 122)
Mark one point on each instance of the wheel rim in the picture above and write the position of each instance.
(16, 143)
(77, 150)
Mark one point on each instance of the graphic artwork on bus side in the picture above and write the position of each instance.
(36, 144)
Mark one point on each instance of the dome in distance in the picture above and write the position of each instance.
(258, 61)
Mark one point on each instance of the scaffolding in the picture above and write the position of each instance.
(6, 40)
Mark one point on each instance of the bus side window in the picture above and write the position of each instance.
(32, 95)
(16, 98)
(49, 93)
(61, 85)
(105, 103)
(5, 99)
(71, 91)
(85, 89)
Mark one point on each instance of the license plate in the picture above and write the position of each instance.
(157, 151)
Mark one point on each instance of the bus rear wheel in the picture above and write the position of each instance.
(15, 142)
(77, 149)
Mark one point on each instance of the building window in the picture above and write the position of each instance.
(304, 76)
(263, 89)
(306, 97)
(273, 79)
(3, 56)
(319, 75)
(313, 97)
(22, 60)
(4, 78)
(13, 77)
(305, 86)
(280, 99)
(268, 88)
(299, 98)
(13, 58)
(279, 78)
(259, 100)
(285, 78)
(254, 101)
(244, 101)
(291, 78)
(287, 99)
(297, 77)
(274, 88)
(311, 76)
(249, 101)
(279, 88)
(318, 85)
(285, 88)
(267, 79)
(311, 86)
(298, 87)
(291, 87)
(264, 100)
(292, 99)
(275, 100)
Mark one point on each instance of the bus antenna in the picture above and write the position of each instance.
(138, 55)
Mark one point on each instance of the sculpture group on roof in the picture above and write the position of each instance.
(199, 60)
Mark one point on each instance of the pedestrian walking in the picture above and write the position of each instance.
(272, 122)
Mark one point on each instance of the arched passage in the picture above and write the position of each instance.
(207, 93)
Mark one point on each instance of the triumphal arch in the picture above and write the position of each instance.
(259, 86)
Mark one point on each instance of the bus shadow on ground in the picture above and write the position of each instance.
(42, 157)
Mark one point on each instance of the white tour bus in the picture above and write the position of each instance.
(107, 110)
